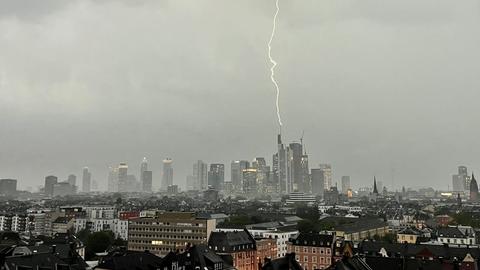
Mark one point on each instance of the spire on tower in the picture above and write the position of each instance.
(375, 190)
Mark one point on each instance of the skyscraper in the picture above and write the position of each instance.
(50, 181)
(263, 175)
(72, 180)
(216, 176)
(473, 189)
(200, 173)
(305, 174)
(147, 181)
(281, 167)
(375, 189)
(123, 177)
(167, 176)
(250, 187)
(112, 179)
(86, 180)
(327, 175)
(236, 173)
(345, 184)
(143, 167)
(296, 176)
(317, 182)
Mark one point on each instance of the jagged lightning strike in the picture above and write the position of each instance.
(274, 64)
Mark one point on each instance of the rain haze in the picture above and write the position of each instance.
(384, 88)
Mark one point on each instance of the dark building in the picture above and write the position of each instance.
(50, 182)
(317, 182)
(196, 257)
(147, 181)
(473, 190)
(286, 263)
(240, 245)
(8, 186)
(216, 176)
(296, 150)
(375, 189)
(122, 259)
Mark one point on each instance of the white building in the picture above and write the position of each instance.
(456, 235)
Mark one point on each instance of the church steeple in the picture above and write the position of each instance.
(375, 190)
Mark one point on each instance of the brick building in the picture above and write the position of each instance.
(312, 250)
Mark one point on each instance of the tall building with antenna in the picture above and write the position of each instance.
(281, 168)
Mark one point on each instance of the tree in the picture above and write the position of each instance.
(98, 242)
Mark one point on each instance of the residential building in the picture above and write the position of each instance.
(458, 235)
(312, 250)
(238, 244)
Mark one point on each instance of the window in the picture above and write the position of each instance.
(305, 258)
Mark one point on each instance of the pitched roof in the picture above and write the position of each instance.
(231, 241)
(124, 260)
(313, 240)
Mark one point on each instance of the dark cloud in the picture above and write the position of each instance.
(376, 85)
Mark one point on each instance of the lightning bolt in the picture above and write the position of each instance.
(274, 64)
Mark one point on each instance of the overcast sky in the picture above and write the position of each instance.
(379, 87)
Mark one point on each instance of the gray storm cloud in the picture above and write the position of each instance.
(376, 85)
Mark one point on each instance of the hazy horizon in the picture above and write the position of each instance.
(378, 87)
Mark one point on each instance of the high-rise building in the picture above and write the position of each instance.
(63, 189)
(8, 186)
(327, 175)
(305, 174)
(296, 165)
(143, 167)
(190, 182)
(263, 180)
(167, 176)
(112, 179)
(317, 181)
(147, 181)
(86, 180)
(216, 176)
(123, 177)
(236, 173)
(250, 185)
(461, 181)
(345, 184)
(72, 180)
(50, 181)
(281, 167)
(200, 175)
(473, 189)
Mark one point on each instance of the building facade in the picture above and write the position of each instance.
(168, 231)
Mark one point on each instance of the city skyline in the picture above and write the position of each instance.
(376, 92)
